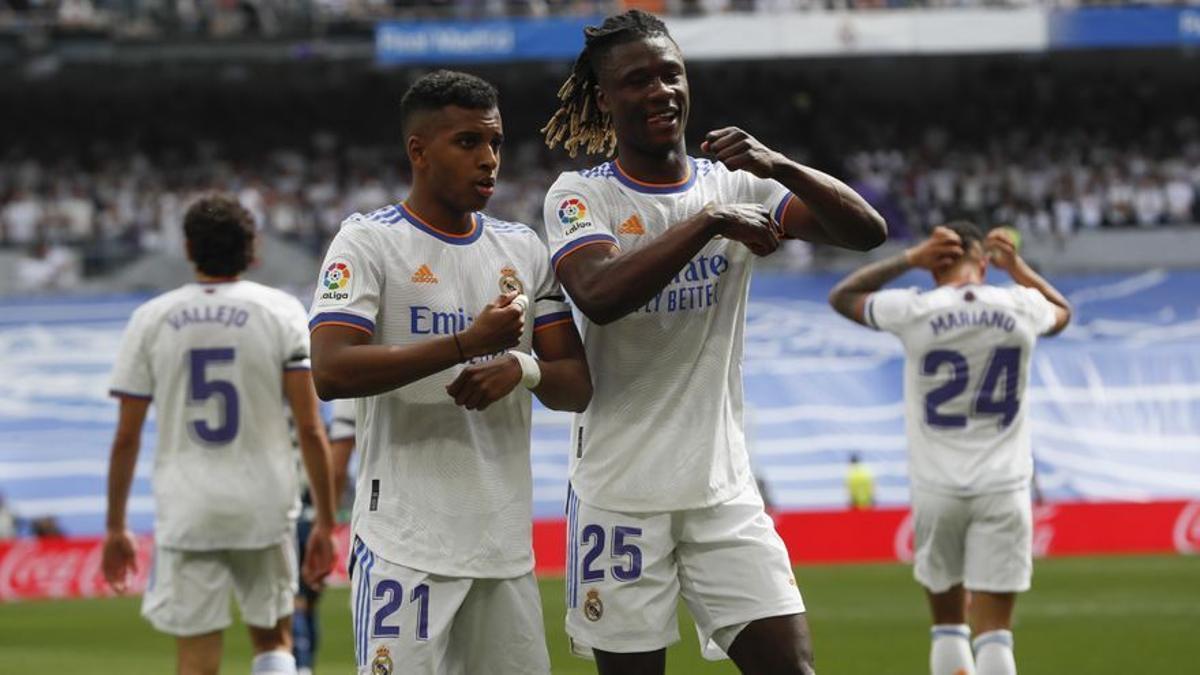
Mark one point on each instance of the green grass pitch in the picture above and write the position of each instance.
(1087, 616)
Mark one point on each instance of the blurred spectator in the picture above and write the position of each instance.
(860, 484)
(47, 268)
(45, 526)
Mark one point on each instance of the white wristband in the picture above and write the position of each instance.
(531, 372)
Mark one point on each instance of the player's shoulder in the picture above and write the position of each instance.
(275, 301)
(162, 303)
(584, 180)
(383, 218)
(512, 236)
(506, 227)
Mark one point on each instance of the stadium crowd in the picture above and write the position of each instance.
(114, 205)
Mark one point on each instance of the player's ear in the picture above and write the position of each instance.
(416, 151)
(601, 99)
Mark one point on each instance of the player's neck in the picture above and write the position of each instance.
(203, 278)
(662, 168)
(962, 276)
(437, 215)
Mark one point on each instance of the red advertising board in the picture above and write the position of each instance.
(60, 568)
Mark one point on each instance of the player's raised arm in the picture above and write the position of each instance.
(849, 296)
(347, 365)
(1002, 251)
(827, 211)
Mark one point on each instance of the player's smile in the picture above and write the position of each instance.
(646, 92)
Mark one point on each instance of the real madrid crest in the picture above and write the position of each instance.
(593, 609)
(509, 283)
(382, 665)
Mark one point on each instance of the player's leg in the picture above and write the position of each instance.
(999, 564)
(631, 663)
(402, 617)
(738, 583)
(499, 629)
(991, 615)
(188, 597)
(273, 649)
(198, 654)
(265, 582)
(622, 588)
(779, 644)
(939, 529)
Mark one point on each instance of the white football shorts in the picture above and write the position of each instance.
(984, 542)
(188, 591)
(626, 571)
(411, 622)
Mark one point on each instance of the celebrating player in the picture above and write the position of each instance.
(655, 249)
(219, 358)
(968, 347)
(407, 319)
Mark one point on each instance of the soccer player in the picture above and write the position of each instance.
(968, 347)
(220, 358)
(655, 249)
(407, 320)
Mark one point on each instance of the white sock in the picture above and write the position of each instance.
(950, 653)
(273, 663)
(994, 653)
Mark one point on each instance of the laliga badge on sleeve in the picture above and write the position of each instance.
(382, 665)
(593, 609)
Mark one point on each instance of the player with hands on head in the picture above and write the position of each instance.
(220, 358)
(407, 321)
(967, 347)
(655, 248)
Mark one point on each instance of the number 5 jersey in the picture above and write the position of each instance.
(212, 356)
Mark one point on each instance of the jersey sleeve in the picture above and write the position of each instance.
(295, 337)
(575, 217)
(1035, 306)
(132, 376)
(349, 282)
(771, 194)
(890, 310)
(550, 306)
(341, 427)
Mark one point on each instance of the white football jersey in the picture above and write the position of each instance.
(212, 358)
(664, 428)
(342, 423)
(441, 488)
(967, 351)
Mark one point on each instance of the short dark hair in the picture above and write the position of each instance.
(220, 235)
(443, 88)
(969, 233)
(578, 121)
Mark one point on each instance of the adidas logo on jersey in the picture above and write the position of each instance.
(632, 226)
(424, 275)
